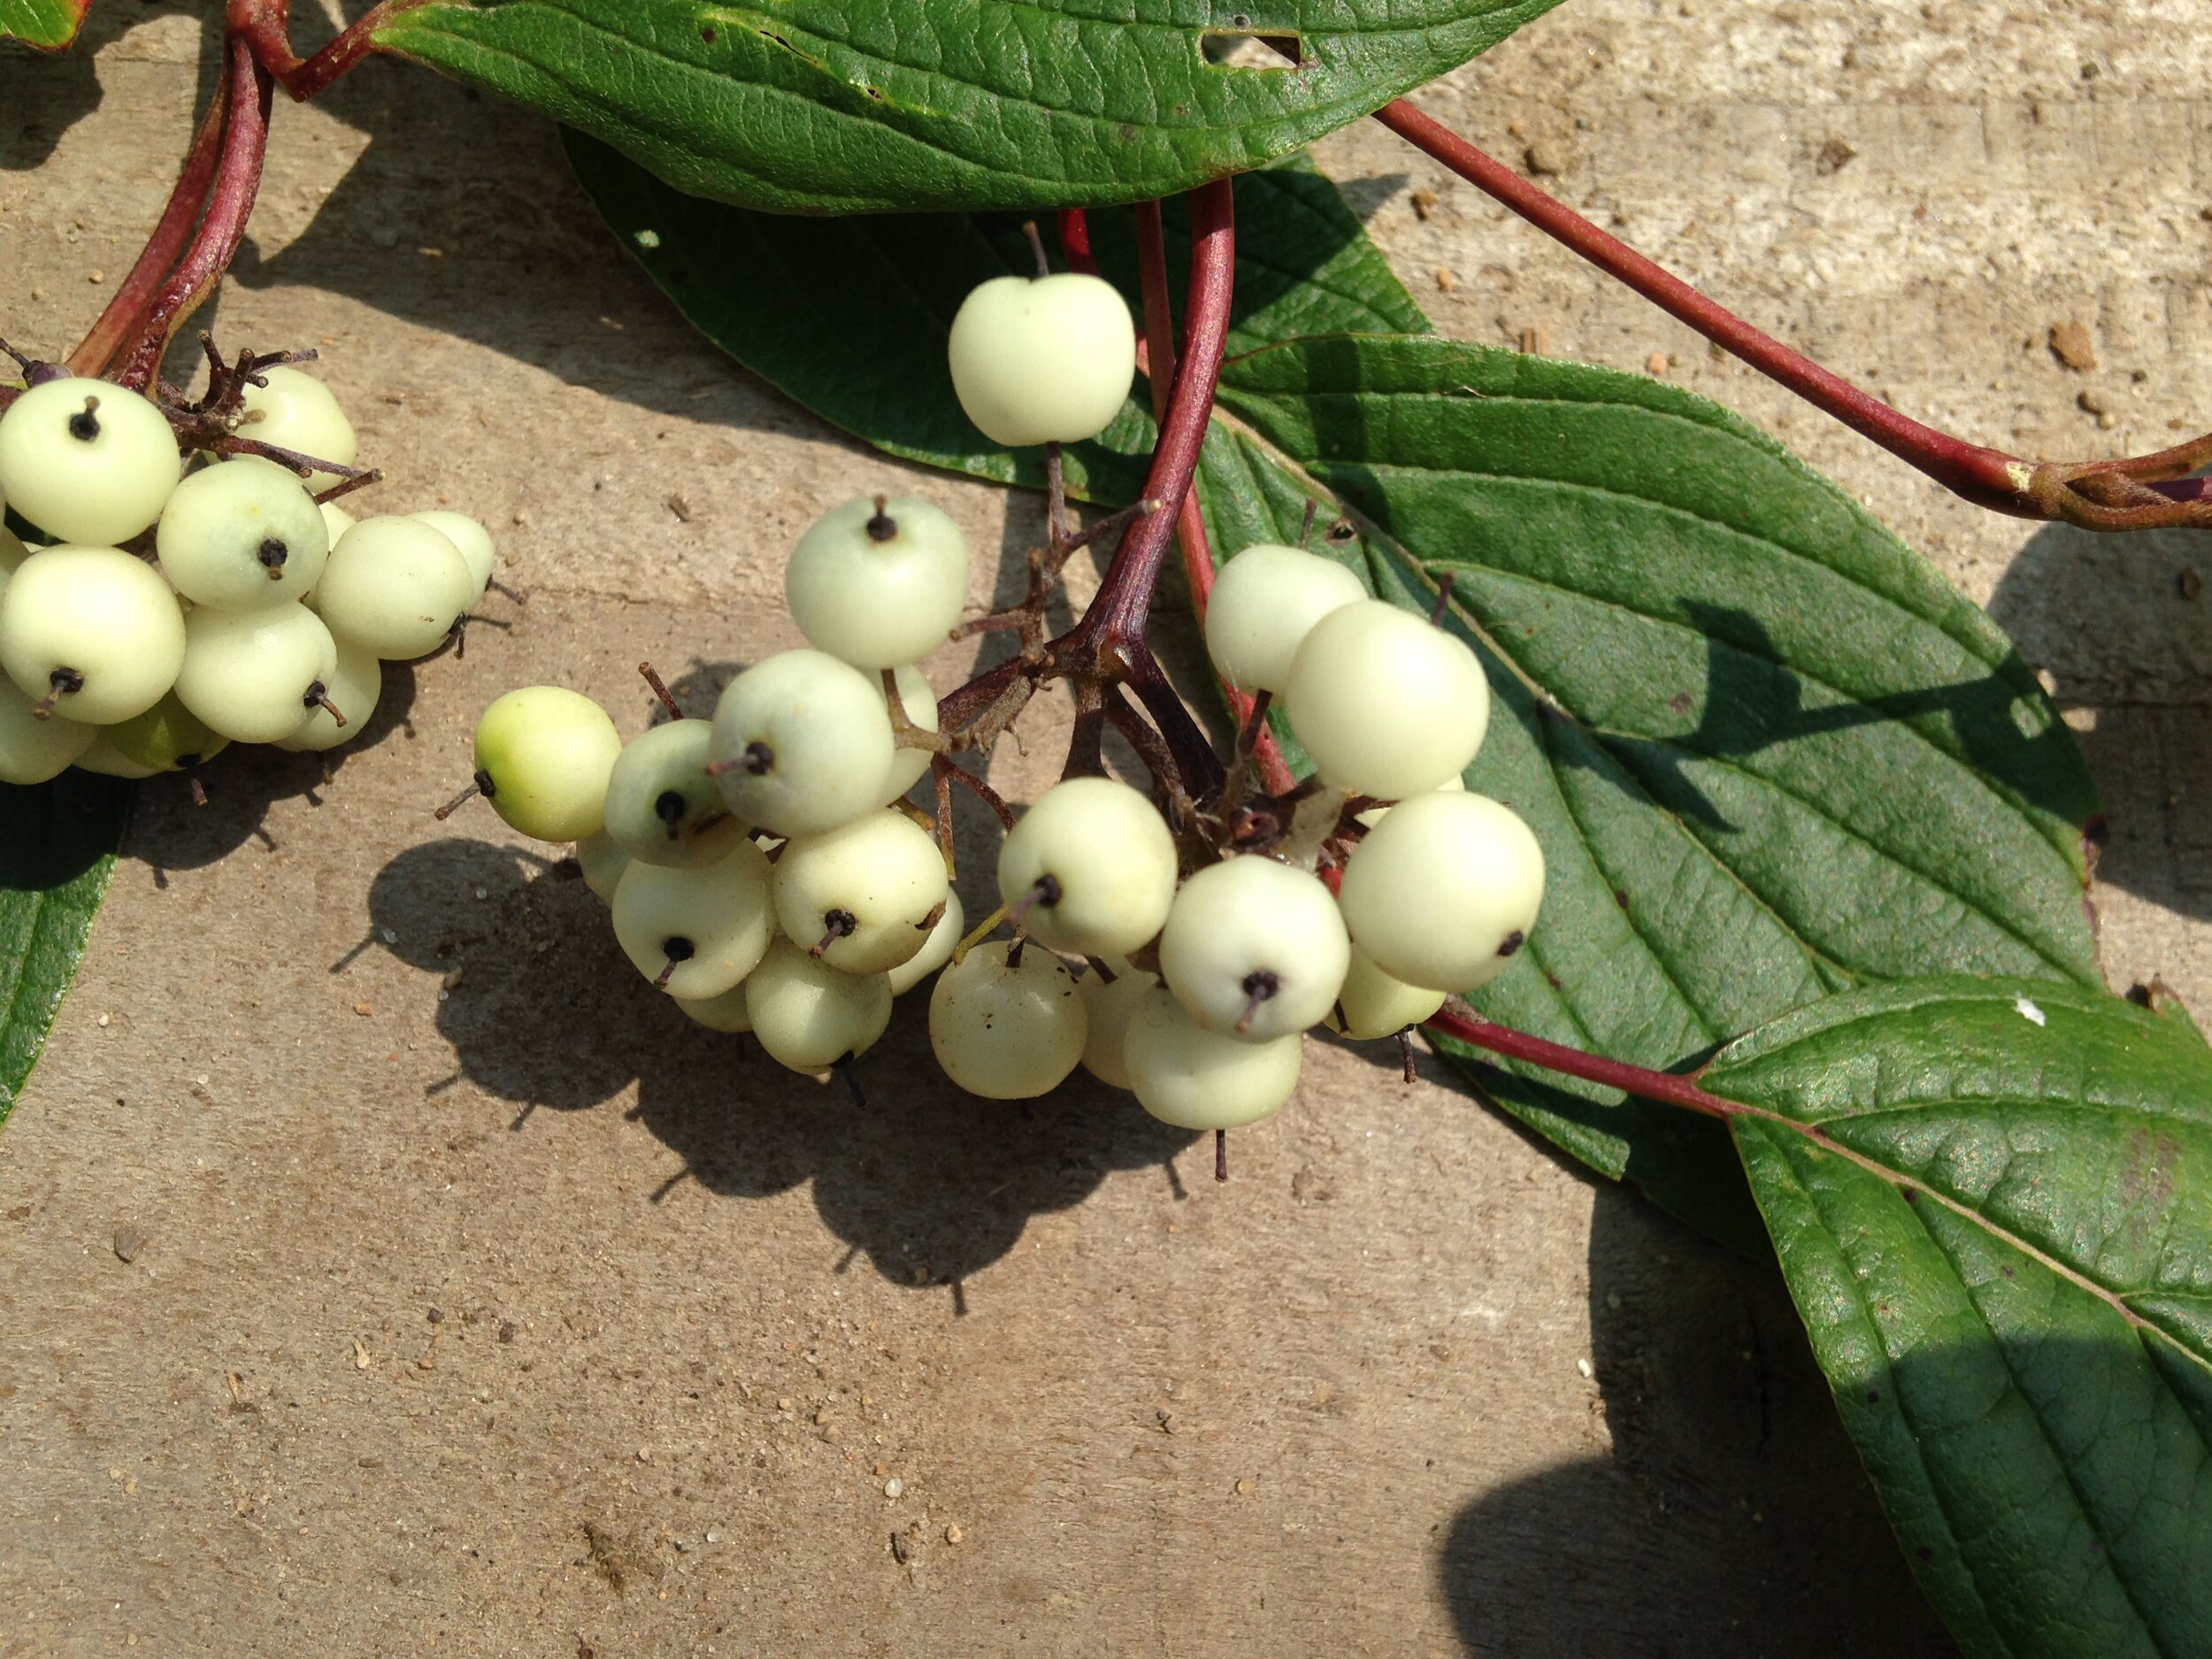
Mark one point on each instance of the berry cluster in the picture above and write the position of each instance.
(188, 602)
(764, 869)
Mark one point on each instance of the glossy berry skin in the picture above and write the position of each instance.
(704, 929)
(242, 535)
(725, 1013)
(396, 587)
(603, 864)
(98, 614)
(1254, 949)
(869, 888)
(804, 741)
(661, 805)
(1043, 359)
(878, 586)
(547, 752)
(296, 412)
(1100, 862)
(808, 1015)
(470, 538)
(1264, 602)
(1194, 1078)
(1387, 704)
(251, 674)
(909, 766)
(167, 737)
(1444, 891)
(1373, 1005)
(94, 477)
(1111, 1007)
(355, 690)
(936, 950)
(1007, 1031)
(31, 749)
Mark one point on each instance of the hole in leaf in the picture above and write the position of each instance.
(1243, 47)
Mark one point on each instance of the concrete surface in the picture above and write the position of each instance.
(477, 1304)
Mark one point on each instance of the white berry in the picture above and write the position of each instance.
(1444, 891)
(661, 804)
(1194, 1078)
(878, 583)
(470, 538)
(97, 630)
(803, 743)
(1112, 1005)
(31, 749)
(1264, 602)
(936, 950)
(87, 461)
(1254, 949)
(603, 864)
(1091, 867)
(395, 586)
(255, 676)
(1043, 359)
(354, 690)
(547, 752)
(1373, 1005)
(695, 933)
(12, 552)
(296, 412)
(864, 895)
(167, 737)
(1007, 1031)
(242, 534)
(1387, 704)
(808, 1015)
(909, 766)
(726, 1013)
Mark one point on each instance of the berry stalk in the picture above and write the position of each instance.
(2124, 494)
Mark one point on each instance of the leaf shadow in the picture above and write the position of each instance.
(1726, 1517)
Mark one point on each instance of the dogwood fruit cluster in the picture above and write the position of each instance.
(757, 869)
(179, 605)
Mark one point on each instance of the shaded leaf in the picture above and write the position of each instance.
(57, 844)
(852, 106)
(49, 25)
(1993, 1205)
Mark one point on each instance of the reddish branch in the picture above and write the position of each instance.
(266, 26)
(1467, 1026)
(2101, 495)
(236, 182)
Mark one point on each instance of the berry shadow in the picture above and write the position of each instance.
(544, 1012)
(171, 829)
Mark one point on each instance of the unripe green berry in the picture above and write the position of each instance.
(547, 753)
(167, 737)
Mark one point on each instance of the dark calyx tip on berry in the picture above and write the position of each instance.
(84, 425)
(318, 696)
(679, 950)
(670, 807)
(63, 682)
(1259, 985)
(836, 925)
(1512, 942)
(882, 525)
(758, 759)
(272, 553)
(1045, 891)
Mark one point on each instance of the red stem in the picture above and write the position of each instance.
(125, 313)
(1987, 477)
(265, 24)
(1075, 241)
(237, 181)
(1665, 1087)
(1115, 621)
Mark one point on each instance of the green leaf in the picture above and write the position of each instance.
(58, 845)
(852, 106)
(1993, 1205)
(1770, 752)
(49, 25)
